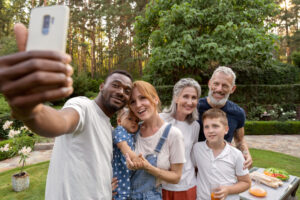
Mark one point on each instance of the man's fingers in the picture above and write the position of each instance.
(33, 80)
(34, 99)
(21, 34)
(31, 66)
(27, 55)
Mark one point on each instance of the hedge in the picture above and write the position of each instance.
(21, 142)
(247, 94)
(272, 128)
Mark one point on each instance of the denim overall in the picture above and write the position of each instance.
(143, 184)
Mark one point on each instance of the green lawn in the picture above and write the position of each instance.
(38, 174)
(36, 190)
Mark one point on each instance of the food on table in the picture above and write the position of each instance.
(267, 180)
(257, 191)
(277, 173)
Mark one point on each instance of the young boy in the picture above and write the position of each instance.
(123, 143)
(218, 162)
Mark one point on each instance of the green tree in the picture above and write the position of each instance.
(189, 37)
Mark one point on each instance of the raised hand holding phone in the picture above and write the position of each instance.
(33, 77)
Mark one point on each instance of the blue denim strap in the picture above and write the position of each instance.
(163, 138)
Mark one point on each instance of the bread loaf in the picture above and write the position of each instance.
(267, 180)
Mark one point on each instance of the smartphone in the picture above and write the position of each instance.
(48, 28)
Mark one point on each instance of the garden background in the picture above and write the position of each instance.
(161, 41)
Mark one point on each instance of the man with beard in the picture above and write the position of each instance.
(80, 166)
(221, 85)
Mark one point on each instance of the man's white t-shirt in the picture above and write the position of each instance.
(172, 152)
(222, 170)
(190, 134)
(80, 166)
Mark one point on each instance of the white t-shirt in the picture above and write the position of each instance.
(172, 152)
(80, 166)
(190, 134)
(222, 170)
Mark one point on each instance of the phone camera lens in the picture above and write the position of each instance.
(46, 24)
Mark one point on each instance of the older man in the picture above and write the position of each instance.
(221, 85)
(80, 167)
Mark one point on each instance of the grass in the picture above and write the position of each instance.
(38, 173)
(36, 190)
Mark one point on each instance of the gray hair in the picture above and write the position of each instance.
(227, 71)
(178, 87)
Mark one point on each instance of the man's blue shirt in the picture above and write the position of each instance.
(236, 117)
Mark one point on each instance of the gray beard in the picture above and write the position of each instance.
(215, 102)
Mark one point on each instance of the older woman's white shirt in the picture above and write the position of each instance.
(190, 134)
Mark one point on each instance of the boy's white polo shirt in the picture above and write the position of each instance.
(221, 170)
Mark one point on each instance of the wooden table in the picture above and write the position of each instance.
(289, 188)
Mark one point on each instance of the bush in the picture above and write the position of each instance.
(248, 95)
(84, 85)
(273, 74)
(272, 127)
(296, 58)
(16, 123)
(16, 144)
(272, 112)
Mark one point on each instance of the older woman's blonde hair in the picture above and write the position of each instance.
(178, 87)
(147, 90)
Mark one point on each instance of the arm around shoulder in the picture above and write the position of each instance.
(241, 144)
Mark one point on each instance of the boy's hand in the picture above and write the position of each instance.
(28, 79)
(221, 193)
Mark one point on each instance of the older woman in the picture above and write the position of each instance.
(160, 146)
(183, 114)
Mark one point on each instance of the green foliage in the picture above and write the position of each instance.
(17, 124)
(7, 45)
(190, 37)
(4, 107)
(85, 86)
(272, 127)
(271, 112)
(248, 95)
(16, 144)
(267, 94)
(296, 58)
(272, 74)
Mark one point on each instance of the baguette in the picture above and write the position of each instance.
(267, 180)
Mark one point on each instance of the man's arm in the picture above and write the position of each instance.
(242, 146)
(49, 122)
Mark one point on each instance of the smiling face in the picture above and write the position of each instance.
(115, 92)
(186, 102)
(214, 130)
(220, 87)
(129, 122)
(141, 106)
